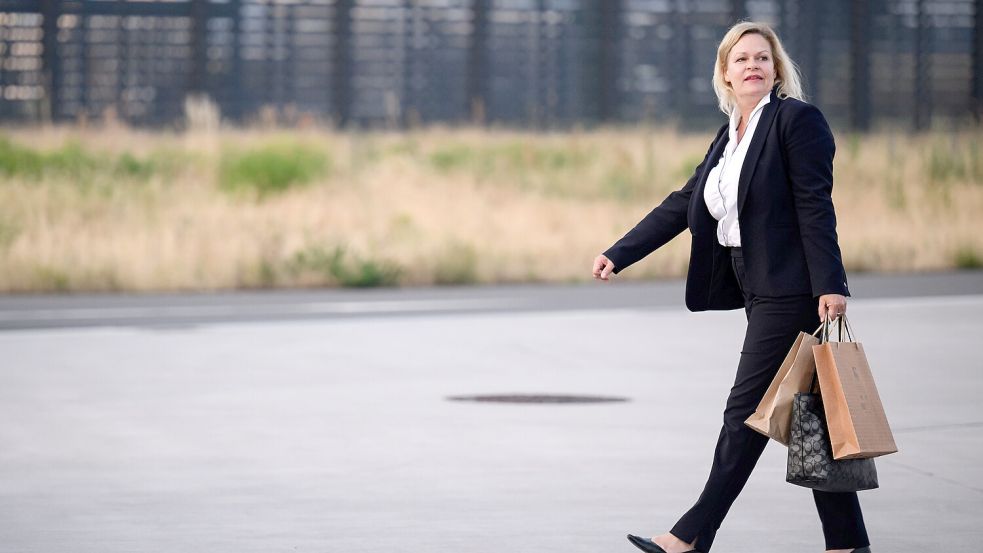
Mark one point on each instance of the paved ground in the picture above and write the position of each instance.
(182, 310)
(331, 433)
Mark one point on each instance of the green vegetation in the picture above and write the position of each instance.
(952, 160)
(510, 157)
(975, 148)
(17, 160)
(458, 265)
(52, 279)
(271, 168)
(625, 185)
(563, 172)
(8, 233)
(967, 258)
(337, 266)
(853, 145)
(130, 166)
(944, 164)
(73, 162)
(452, 157)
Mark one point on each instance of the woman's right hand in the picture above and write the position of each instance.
(602, 267)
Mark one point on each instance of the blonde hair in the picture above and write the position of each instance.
(787, 76)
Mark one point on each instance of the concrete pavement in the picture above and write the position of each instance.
(336, 435)
(185, 309)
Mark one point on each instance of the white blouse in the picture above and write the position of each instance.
(720, 192)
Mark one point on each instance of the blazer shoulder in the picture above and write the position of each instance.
(797, 118)
(793, 109)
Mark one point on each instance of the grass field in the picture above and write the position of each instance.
(109, 209)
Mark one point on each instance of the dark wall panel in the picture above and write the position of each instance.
(527, 63)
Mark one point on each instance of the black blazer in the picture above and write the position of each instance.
(785, 211)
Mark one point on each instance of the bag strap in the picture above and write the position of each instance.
(841, 325)
(846, 325)
(824, 332)
(823, 338)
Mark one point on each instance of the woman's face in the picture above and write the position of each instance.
(750, 67)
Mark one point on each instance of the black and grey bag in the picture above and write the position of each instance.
(810, 456)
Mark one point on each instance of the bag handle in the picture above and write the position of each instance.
(846, 325)
(841, 324)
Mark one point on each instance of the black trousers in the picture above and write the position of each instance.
(773, 324)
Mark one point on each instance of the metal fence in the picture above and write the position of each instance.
(528, 63)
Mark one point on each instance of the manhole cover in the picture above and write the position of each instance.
(537, 398)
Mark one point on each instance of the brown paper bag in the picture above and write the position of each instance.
(858, 426)
(773, 414)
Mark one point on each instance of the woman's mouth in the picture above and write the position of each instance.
(754, 78)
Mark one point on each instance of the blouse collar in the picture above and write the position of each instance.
(735, 116)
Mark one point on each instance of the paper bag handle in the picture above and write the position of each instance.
(846, 325)
(841, 323)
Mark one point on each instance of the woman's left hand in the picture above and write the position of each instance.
(832, 304)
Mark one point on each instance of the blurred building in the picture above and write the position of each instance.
(526, 63)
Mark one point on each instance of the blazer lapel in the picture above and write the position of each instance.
(754, 149)
(698, 202)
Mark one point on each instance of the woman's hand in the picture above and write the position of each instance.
(602, 267)
(833, 305)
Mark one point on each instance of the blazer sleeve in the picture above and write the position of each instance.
(661, 225)
(809, 149)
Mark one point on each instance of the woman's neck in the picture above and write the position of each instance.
(745, 104)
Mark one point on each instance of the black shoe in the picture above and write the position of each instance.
(862, 550)
(649, 546)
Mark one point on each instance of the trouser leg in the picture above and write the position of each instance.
(843, 521)
(773, 324)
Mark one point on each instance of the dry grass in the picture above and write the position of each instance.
(430, 206)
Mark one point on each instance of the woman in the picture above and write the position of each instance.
(763, 238)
